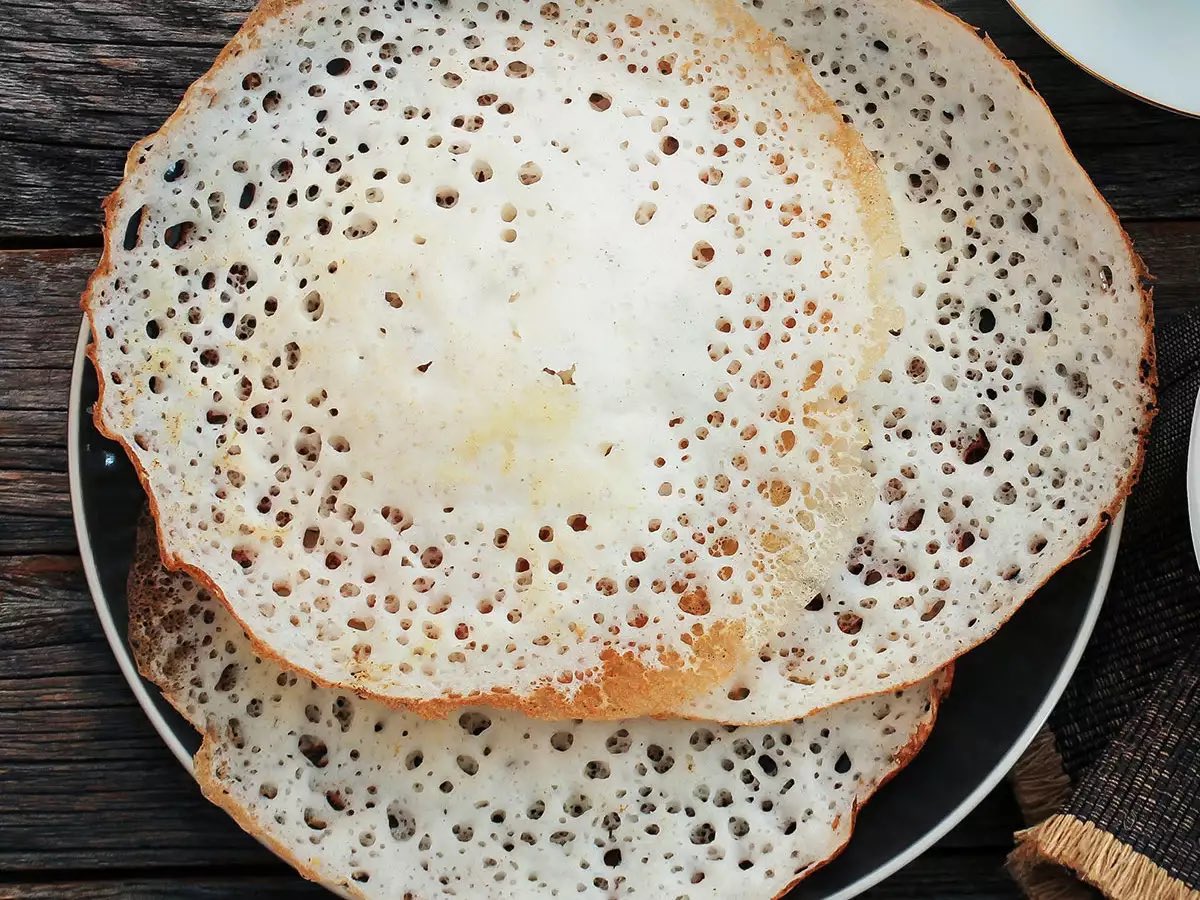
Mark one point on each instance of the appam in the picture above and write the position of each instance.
(500, 353)
(1007, 418)
(1003, 427)
(378, 802)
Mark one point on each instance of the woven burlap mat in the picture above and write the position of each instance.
(1111, 787)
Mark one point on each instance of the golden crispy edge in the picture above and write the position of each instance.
(942, 682)
(147, 637)
(627, 687)
(149, 624)
(208, 775)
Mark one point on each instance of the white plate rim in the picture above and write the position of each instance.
(116, 640)
(1006, 762)
(120, 650)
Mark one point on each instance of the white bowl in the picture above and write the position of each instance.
(1147, 48)
(1193, 479)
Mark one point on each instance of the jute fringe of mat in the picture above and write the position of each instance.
(1094, 856)
(1059, 856)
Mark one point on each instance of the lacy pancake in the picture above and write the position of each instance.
(1006, 419)
(382, 803)
(507, 353)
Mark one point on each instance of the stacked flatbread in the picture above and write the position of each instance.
(503, 374)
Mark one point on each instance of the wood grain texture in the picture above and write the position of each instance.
(39, 302)
(974, 875)
(182, 885)
(85, 782)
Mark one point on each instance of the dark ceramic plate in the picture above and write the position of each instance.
(1002, 692)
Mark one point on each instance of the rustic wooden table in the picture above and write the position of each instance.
(92, 805)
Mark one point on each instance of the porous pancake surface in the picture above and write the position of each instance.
(382, 803)
(500, 352)
(1007, 418)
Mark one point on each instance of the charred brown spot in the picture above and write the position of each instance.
(850, 623)
(695, 603)
(932, 610)
(314, 750)
(133, 229)
(977, 449)
(178, 234)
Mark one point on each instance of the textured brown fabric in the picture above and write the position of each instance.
(1111, 787)
(1039, 780)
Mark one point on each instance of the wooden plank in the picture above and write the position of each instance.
(54, 650)
(941, 874)
(35, 493)
(35, 506)
(21, 533)
(28, 388)
(85, 780)
(39, 303)
(1172, 253)
(39, 293)
(182, 885)
(177, 23)
(39, 296)
(938, 875)
(147, 78)
(109, 73)
(33, 439)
